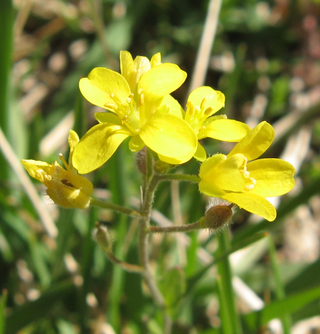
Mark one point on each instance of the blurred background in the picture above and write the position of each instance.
(265, 57)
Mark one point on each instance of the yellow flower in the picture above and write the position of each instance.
(64, 186)
(202, 103)
(135, 99)
(247, 184)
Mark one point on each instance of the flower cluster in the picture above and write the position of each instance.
(139, 105)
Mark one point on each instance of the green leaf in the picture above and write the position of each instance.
(6, 19)
(229, 317)
(34, 310)
(281, 308)
(279, 290)
(173, 286)
(3, 302)
(308, 277)
(219, 257)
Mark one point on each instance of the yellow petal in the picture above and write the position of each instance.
(126, 65)
(107, 117)
(209, 184)
(256, 142)
(211, 189)
(274, 177)
(228, 174)
(209, 165)
(73, 139)
(65, 188)
(224, 129)
(155, 60)
(173, 106)
(252, 203)
(37, 169)
(169, 136)
(69, 190)
(97, 146)
(133, 70)
(201, 153)
(136, 144)
(160, 81)
(214, 99)
(104, 88)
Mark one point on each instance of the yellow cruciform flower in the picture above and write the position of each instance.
(202, 103)
(134, 98)
(64, 186)
(247, 184)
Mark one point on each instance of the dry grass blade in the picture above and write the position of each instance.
(28, 186)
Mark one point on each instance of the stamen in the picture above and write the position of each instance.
(141, 99)
(250, 186)
(48, 177)
(203, 103)
(64, 162)
(190, 108)
(112, 95)
(40, 175)
(110, 105)
(208, 111)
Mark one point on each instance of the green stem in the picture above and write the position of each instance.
(143, 235)
(176, 228)
(103, 239)
(131, 268)
(114, 207)
(179, 177)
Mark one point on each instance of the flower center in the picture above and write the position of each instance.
(249, 181)
(129, 111)
(196, 115)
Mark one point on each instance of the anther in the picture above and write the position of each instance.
(141, 99)
(208, 111)
(203, 103)
(110, 105)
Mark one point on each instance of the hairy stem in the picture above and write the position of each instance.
(147, 275)
(179, 177)
(103, 239)
(132, 268)
(176, 228)
(114, 207)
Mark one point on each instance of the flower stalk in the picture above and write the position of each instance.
(177, 228)
(101, 235)
(114, 207)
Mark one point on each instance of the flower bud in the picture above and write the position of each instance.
(217, 216)
(141, 161)
(102, 237)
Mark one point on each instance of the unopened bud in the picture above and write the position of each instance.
(217, 216)
(102, 237)
(141, 161)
